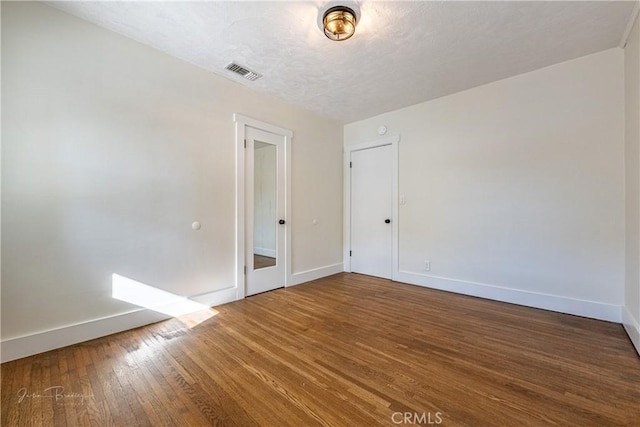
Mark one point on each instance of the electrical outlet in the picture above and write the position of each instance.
(427, 265)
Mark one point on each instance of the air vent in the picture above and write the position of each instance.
(247, 74)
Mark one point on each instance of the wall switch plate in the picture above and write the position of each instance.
(427, 265)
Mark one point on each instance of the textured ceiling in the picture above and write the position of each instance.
(402, 53)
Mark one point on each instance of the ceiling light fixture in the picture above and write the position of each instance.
(339, 23)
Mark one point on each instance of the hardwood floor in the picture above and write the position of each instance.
(260, 261)
(348, 350)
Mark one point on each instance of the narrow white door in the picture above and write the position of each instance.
(371, 211)
(265, 222)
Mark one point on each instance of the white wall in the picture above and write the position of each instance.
(515, 190)
(110, 151)
(631, 313)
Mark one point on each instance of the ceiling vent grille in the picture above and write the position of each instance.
(247, 74)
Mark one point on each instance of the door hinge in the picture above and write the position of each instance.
(245, 143)
(349, 253)
(350, 164)
(245, 270)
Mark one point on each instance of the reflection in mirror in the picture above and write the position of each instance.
(264, 205)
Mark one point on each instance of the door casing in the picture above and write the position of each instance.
(394, 141)
(241, 124)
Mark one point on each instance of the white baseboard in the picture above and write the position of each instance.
(219, 297)
(592, 309)
(271, 253)
(28, 345)
(632, 326)
(316, 273)
(16, 348)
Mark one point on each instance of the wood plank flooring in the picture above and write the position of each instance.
(260, 261)
(348, 350)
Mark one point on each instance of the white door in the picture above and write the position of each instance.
(265, 221)
(371, 211)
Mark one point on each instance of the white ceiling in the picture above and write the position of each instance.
(402, 53)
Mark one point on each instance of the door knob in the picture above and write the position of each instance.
(387, 221)
(281, 221)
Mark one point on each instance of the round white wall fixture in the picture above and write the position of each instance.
(382, 130)
(196, 225)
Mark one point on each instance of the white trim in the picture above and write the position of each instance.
(271, 253)
(632, 327)
(630, 23)
(288, 142)
(392, 140)
(346, 218)
(316, 273)
(578, 307)
(28, 345)
(219, 297)
(240, 262)
(242, 122)
(248, 121)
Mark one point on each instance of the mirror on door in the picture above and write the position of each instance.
(265, 204)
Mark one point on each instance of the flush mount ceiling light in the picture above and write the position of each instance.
(339, 23)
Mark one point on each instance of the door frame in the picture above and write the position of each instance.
(241, 123)
(393, 141)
